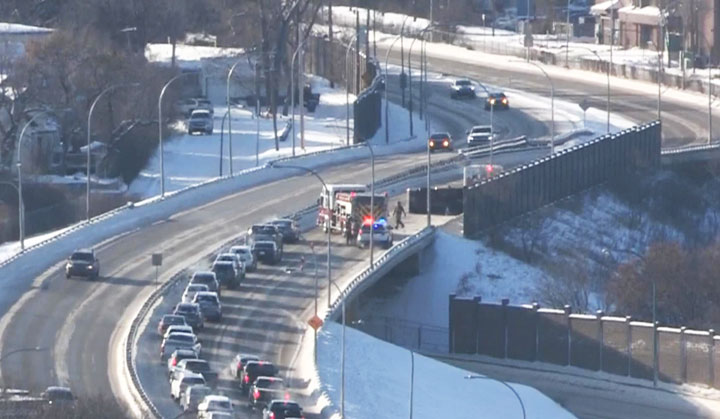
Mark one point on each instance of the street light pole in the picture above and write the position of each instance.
(387, 82)
(347, 89)
(342, 353)
(372, 201)
(15, 351)
(160, 129)
(327, 220)
(517, 396)
(229, 114)
(552, 104)
(412, 380)
(89, 131)
(292, 88)
(21, 204)
(567, 36)
(655, 343)
(492, 125)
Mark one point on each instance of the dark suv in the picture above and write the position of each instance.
(254, 369)
(282, 409)
(289, 230)
(263, 232)
(265, 389)
(192, 314)
(83, 263)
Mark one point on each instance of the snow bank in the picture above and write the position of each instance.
(464, 267)
(378, 384)
(187, 56)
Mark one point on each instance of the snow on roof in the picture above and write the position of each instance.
(601, 8)
(188, 56)
(649, 15)
(19, 29)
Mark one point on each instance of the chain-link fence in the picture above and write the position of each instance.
(405, 333)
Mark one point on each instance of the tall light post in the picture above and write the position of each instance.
(21, 204)
(552, 103)
(659, 79)
(229, 114)
(421, 34)
(160, 129)
(15, 351)
(347, 90)
(222, 131)
(608, 83)
(89, 131)
(492, 125)
(301, 72)
(567, 36)
(327, 221)
(342, 352)
(517, 396)
(372, 200)
(387, 82)
(412, 380)
(315, 276)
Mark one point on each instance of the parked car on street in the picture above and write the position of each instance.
(246, 256)
(83, 263)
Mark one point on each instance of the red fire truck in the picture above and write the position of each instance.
(344, 204)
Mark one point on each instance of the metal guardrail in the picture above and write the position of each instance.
(402, 247)
(381, 266)
(150, 302)
(514, 143)
(689, 149)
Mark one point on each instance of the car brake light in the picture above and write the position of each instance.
(287, 396)
(256, 394)
(174, 363)
(246, 379)
(272, 415)
(239, 366)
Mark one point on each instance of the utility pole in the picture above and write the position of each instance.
(367, 31)
(402, 66)
(357, 50)
(330, 37)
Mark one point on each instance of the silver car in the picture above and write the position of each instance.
(193, 396)
(200, 121)
(381, 236)
(246, 256)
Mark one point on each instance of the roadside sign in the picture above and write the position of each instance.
(584, 105)
(315, 322)
(157, 259)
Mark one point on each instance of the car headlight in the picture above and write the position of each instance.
(90, 267)
(432, 143)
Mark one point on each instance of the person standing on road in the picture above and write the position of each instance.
(399, 212)
(349, 231)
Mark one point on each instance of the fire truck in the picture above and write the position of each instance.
(356, 206)
(326, 202)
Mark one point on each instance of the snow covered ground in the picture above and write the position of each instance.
(505, 42)
(455, 265)
(378, 384)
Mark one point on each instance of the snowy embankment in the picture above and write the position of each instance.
(454, 265)
(378, 384)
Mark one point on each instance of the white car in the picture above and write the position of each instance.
(191, 290)
(234, 258)
(381, 236)
(246, 256)
(178, 329)
(186, 106)
(179, 384)
(179, 341)
(214, 403)
(200, 120)
(193, 396)
(479, 135)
